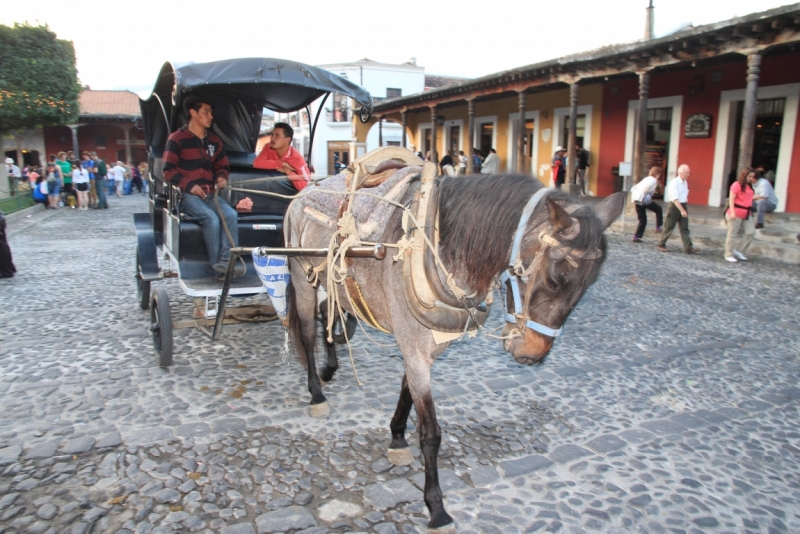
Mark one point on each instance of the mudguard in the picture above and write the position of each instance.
(146, 239)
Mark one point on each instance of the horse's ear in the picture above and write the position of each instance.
(610, 208)
(559, 218)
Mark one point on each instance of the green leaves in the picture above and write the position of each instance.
(38, 78)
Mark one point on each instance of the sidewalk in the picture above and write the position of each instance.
(777, 240)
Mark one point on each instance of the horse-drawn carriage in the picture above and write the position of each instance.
(170, 243)
(454, 242)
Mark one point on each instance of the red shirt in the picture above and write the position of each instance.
(741, 198)
(269, 160)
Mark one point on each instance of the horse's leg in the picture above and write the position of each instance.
(332, 363)
(303, 311)
(430, 437)
(399, 452)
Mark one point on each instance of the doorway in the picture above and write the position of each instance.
(656, 150)
(29, 157)
(454, 140)
(767, 138)
(580, 130)
(485, 137)
(338, 156)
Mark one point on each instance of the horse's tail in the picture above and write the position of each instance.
(294, 326)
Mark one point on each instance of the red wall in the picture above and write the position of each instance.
(697, 153)
(59, 138)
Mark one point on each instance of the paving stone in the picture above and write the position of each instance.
(662, 427)
(389, 494)
(338, 509)
(193, 429)
(41, 450)
(293, 517)
(238, 528)
(484, 476)
(521, 466)
(636, 436)
(605, 444)
(9, 455)
(112, 439)
(448, 481)
(566, 454)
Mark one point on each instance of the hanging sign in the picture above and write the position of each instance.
(698, 126)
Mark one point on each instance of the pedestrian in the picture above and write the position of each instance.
(738, 217)
(462, 163)
(80, 177)
(100, 172)
(559, 166)
(477, 161)
(14, 174)
(491, 165)
(118, 174)
(136, 178)
(144, 170)
(765, 200)
(642, 197)
(678, 196)
(446, 160)
(40, 192)
(7, 268)
(582, 158)
(53, 175)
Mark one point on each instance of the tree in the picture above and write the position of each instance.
(38, 80)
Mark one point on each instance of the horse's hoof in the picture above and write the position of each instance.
(401, 456)
(446, 529)
(322, 409)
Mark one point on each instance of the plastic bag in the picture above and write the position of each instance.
(275, 275)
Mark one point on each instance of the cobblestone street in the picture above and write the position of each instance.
(670, 404)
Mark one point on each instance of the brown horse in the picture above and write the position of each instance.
(549, 247)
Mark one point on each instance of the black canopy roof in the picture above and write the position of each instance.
(239, 89)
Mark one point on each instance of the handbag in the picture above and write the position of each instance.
(647, 199)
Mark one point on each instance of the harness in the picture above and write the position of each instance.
(517, 271)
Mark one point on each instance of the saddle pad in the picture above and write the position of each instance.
(371, 214)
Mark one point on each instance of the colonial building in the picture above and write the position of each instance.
(716, 97)
(108, 124)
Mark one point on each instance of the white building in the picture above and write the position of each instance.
(335, 128)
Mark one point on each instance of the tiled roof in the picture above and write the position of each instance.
(434, 82)
(123, 104)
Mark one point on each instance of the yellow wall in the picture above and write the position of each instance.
(545, 103)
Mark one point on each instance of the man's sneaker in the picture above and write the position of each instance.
(731, 259)
(658, 229)
(221, 267)
(693, 250)
(636, 239)
(739, 255)
(759, 225)
(662, 248)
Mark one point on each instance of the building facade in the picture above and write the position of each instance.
(716, 97)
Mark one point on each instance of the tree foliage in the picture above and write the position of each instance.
(38, 78)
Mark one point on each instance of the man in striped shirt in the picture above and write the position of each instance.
(195, 161)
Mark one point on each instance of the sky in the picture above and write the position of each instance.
(123, 45)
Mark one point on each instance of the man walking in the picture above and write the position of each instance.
(582, 158)
(195, 162)
(678, 195)
(765, 201)
(100, 174)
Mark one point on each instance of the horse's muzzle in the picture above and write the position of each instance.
(529, 348)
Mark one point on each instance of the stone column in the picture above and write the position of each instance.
(572, 138)
(128, 156)
(74, 128)
(749, 114)
(471, 129)
(380, 131)
(433, 135)
(640, 136)
(403, 121)
(521, 136)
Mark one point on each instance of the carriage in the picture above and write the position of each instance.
(170, 243)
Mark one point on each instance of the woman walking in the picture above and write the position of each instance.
(80, 177)
(642, 197)
(738, 216)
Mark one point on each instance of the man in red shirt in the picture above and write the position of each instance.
(281, 156)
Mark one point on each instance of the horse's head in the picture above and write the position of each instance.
(558, 256)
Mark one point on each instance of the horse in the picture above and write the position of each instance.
(547, 247)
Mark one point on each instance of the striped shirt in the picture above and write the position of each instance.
(191, 161)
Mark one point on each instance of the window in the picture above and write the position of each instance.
(100, 141)
(393, 93)
(340, 112)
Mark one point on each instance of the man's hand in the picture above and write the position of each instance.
(198, 191)
(222, 182)
(287, 169)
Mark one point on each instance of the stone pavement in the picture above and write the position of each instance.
(669, 405)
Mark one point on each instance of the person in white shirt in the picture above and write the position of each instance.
(462, 163)
(118, 172)
(765, 201)
(677, 196)
(80, 178)
(491, 165)
(642, 197)
(14, 174)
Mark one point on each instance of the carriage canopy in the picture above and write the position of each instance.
(239, 89)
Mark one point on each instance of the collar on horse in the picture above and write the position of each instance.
(517, 271)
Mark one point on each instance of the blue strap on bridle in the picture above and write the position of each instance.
(513, 280)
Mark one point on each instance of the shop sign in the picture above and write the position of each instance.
(698, 126)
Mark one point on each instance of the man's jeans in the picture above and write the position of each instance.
(205, 213)
(764, 206)
(100, 187)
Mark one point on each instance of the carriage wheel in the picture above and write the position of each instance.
(142, 286)
(161, 327)
(341, 335)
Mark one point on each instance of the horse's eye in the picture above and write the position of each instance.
(551, 284)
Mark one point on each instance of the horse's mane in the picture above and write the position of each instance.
(479, 214)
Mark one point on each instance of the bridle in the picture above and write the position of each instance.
(511, 277)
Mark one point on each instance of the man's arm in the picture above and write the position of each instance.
(171, 157)
(267, 160)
